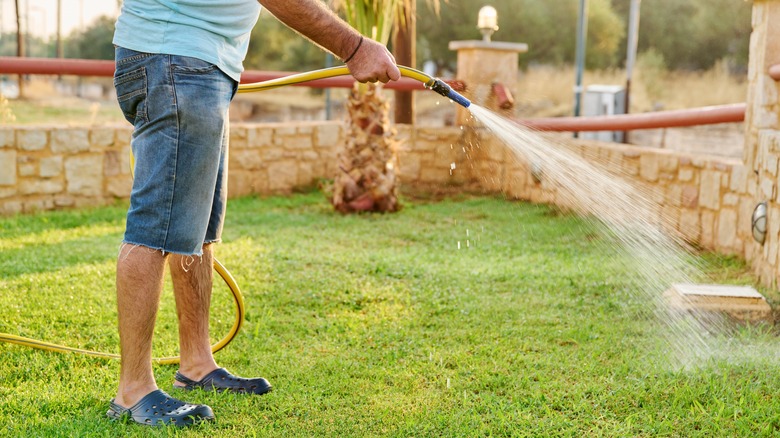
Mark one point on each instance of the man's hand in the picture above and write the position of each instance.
(373, 62)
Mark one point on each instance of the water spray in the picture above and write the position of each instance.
(429, 82)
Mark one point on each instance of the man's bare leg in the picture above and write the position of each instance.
(139, 280)
(192, 282)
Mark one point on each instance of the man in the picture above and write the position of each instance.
(177, 68)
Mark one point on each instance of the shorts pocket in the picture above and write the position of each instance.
(192, 66)
(131, 94)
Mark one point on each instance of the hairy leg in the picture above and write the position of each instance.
(139, 278)
(192, 282)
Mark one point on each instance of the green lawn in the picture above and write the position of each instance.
(380, 326)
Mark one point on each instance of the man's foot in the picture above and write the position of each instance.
(158, 408)
(221, 380)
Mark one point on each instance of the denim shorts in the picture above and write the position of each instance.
(179, 110)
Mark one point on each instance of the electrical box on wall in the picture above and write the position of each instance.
(604, 100)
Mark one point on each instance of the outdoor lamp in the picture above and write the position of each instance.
(487, 22)
(758, 222)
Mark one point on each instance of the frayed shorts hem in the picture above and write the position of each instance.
(165, 251)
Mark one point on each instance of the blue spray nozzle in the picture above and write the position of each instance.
(445, 90)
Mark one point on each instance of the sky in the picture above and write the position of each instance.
(42, 14)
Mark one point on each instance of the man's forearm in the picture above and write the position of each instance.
(312, 19)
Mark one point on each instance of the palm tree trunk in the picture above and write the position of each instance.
(368, 160)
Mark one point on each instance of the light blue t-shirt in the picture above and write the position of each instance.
(210, 30)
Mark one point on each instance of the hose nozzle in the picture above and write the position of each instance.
(445, 90)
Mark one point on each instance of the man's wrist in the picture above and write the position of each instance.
(354, 52)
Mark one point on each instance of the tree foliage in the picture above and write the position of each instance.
(94, 42)
(275, 47)
(686, 34)
(689, 34)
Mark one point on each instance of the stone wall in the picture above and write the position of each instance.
(48, 167)
(707, 199)
(762, 133)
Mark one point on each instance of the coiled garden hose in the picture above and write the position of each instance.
(431, 83)
(224, 273)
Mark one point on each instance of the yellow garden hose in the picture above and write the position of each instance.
(237, 298)
(434, 84)
(430, 82)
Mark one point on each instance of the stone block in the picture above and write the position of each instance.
(239, 183)
(305, 128)
(674, 195)
(102, 137)
(409, 166)
(260, 137)
(112, 163)
(631, 167)
(685, 174)
(50, 167)
(329, 136)
(125, 163)
(35, 205)
(7, 137)
(730, 199)
(690, 197)
(690, 226)
(293, 141)
(727, 229)
(271, 154)
(738, 180)
(496, 151)
(670, 216)
(668, 163)
(7, 192)
(709, 189)
(766, 188)
(247, 159)
(238, 138)
(648, 167)
(434, 175)
(119, 186)
(707, 229)
(7, 167)
(69, 140)
(306, 175)
(9, 208)
(260, 183)
(64, 201)
(27, 166)
(740, 303)
(40, 186)
(84, 175)
(283, 175)
(123, 136)
(309, 156)
(32, 139)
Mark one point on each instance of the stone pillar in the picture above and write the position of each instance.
(762, 133)
(482, 64)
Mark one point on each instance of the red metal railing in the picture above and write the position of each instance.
(627, 122)
(661, 119)
(88, 67)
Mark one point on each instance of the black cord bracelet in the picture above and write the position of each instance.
(355, 51)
